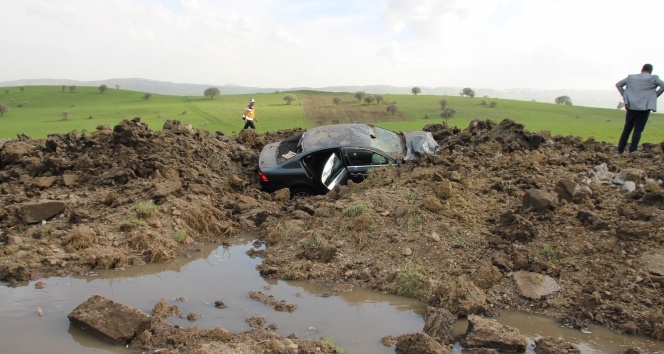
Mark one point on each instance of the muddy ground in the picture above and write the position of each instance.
(452, 229)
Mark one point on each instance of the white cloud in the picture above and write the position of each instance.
(287, 43)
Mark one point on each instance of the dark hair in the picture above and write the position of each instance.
(647, 68)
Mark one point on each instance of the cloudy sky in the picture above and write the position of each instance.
(498, 44)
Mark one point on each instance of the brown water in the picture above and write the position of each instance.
(355, 320)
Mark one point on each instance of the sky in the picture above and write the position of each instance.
(497, 44)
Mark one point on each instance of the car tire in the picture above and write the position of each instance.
(301, 193)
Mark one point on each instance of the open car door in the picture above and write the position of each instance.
(326, 168)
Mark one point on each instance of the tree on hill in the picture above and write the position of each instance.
(359, 95)
(72, 88)
(6, 91)
(3, 109)
(369, 99)
(392, 109)
(564, 100)
(147, 96)
(102, 88)
(22, 88)
(289, 98)
(66, 115)
(468, 92)
(211, 92)
(117, 87)
(416, 90)
(443, 103)
(63, 88)
(379, 98)
(336, 100)
(447, 114)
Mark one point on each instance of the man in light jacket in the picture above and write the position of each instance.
(639, 92)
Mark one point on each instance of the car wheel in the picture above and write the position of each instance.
(301, 193)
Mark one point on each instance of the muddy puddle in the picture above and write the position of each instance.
(355, 320)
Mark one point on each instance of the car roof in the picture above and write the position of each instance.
(351, 135)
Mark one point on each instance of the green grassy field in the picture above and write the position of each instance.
(41, 111)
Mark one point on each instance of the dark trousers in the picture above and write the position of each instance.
(634, 120)
(249, 124)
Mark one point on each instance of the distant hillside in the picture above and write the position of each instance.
(587, 98)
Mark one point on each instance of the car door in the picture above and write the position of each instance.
(361, 160)
(326, 169)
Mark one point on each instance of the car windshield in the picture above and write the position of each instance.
(352, 135)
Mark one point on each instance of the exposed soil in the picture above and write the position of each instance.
(451, 229)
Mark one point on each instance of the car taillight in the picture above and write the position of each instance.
(262, 177)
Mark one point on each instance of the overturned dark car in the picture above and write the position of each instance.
(316, 160)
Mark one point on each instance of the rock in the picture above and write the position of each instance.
(551, 345)
(407, 252)
(629, 186)
(534, 285)
(245, 203)
(14, 240)
(461, 297)
(435, 236)
(69, 180)
(32, 213)
(654, 263)
(439, 324)
(111, 321)
(45, 182)
(538, 200)
(566, 190)
(486, 333)
(420, 343)
(634, 175)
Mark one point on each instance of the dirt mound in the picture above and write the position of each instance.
(497, 200)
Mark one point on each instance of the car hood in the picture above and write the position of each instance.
(419, 143)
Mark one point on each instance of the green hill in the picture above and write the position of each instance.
(38, 111)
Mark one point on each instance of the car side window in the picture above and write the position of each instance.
(363, 157)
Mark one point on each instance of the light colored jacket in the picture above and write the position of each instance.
(640, 91)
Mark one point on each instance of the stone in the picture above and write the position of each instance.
(45, 182)
(14, 240)
(407, 251)
(461, 297)
(551, 345)
(654, 263)
(69, 180)
(420, 343)
(109, 320)
(439, 324)
(539, 200)
(566, 190)
(534, 285)
(435, 236)
(487, 333)
(630, 174)
(32, 213)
